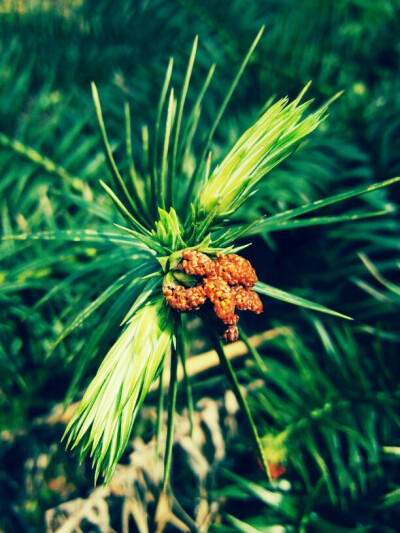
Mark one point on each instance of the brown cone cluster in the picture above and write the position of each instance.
(225, 281)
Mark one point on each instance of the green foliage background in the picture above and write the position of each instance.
(333, 386)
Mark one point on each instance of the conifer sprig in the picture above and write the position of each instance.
(166, 209)
(104, 419)
(263, 146)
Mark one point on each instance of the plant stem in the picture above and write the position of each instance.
(252, 351)
(186, 379)
(226, 365)
(173, 388)
(159, 411)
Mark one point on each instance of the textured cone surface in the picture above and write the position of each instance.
(225, 281)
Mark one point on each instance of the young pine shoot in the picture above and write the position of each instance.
(178, 225)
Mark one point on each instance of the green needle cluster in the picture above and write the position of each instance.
(263, 146)
(163, 209)
(104, 419)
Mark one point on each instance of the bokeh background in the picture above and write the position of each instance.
(332, 387)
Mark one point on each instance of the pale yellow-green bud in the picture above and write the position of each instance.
(103, 421)
(270, 140)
